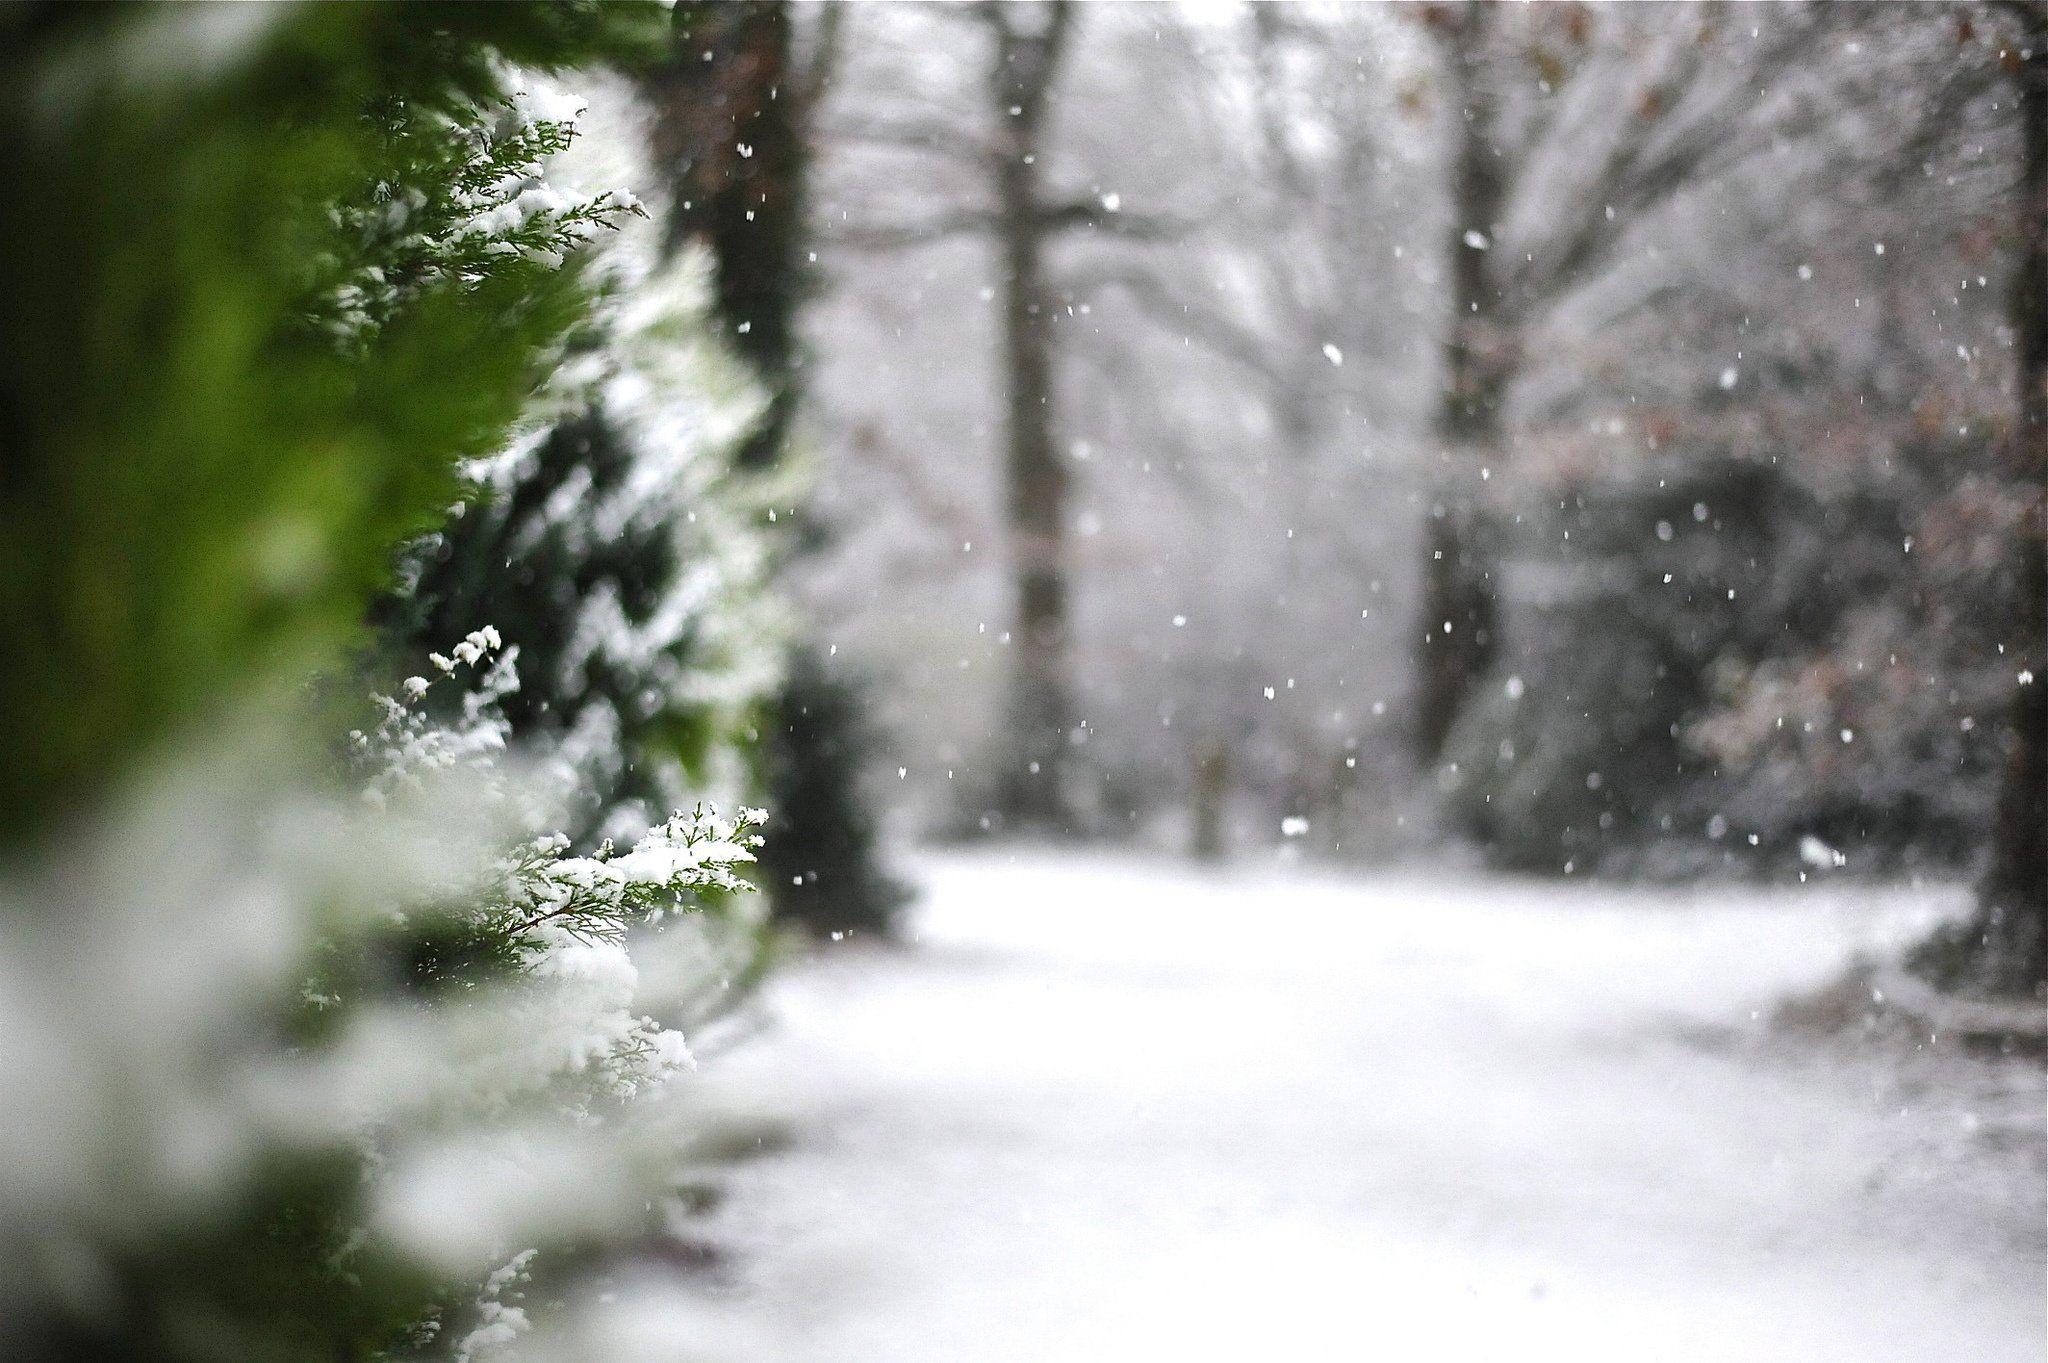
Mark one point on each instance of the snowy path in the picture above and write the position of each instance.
(1121, 1110)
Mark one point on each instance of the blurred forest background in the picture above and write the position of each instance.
(1608, 437)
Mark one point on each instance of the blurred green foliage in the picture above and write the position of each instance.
(824, 865)
(203, 469)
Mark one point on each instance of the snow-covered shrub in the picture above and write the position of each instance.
(397, 1031)
(299, 1057)
(471, 203)
(618, 544)
(1713, 660)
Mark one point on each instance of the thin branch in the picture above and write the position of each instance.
(906, 236)
(1937, 122)
(1650, 163)
(1084, 213)
(932, 500)
(1214, 331)
(917, 134)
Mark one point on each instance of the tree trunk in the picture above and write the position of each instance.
(1032, 788)
(1458, 622)
(730, 132)
(1458, 625)
(2003, 948)
(1212, 800)
(2013, 914)
(734, 106)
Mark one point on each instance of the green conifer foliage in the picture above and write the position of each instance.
(507, 561)
(212, 431)
(824, 869)
(279, 280)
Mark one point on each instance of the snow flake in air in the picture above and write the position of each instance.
(1819, 855)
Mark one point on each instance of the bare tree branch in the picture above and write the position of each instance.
(1655, 158)
(908, 235)
(915, 133)
(1094, 216)
(1215, 331)
(933, 500)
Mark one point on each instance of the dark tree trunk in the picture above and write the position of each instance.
(1212, 800)
(1032, 787)
(1458, 622)
(731, 133)
(1457, 628)
(2014, 892)
(2003, 947)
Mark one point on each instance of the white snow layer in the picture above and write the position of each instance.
(1106, 1109)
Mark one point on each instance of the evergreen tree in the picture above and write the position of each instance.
(506, 561)
(245, 344)
(617, 551)
(297, 270)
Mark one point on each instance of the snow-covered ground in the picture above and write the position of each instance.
(1108, 1109)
